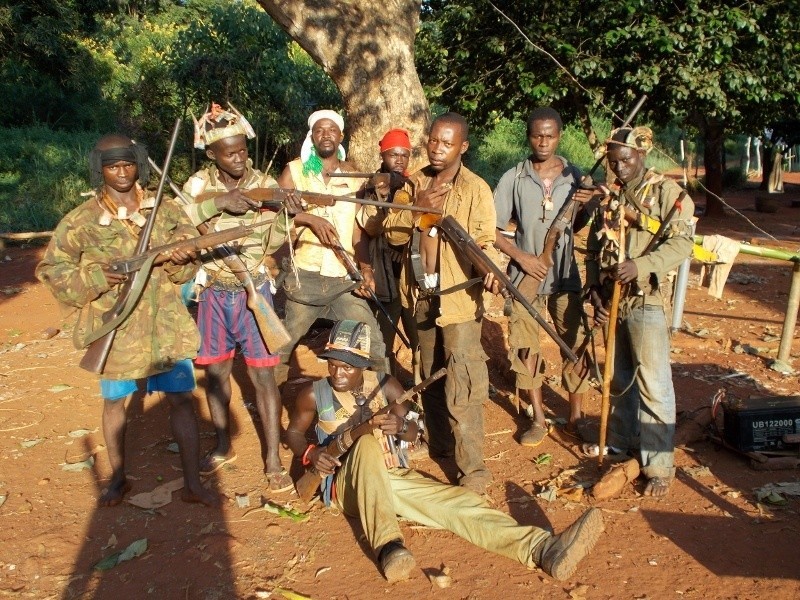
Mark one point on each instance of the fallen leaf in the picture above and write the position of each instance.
(135, 549)
(3, 498)
(59, 387)
(79, 433)
(112, 542)
(320, 571)
(290, 513)
(79, 466)
(290, 595)
(173, 447)
(31, 443)
(579, 592)
(543, 459)
(158, 497)
(242, 500)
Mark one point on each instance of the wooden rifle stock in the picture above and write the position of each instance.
(96, 355)
(308, 483)
(483, 264)
(273, 331)
(201, 242)
(566, 215)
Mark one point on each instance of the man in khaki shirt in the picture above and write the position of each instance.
(448, 315)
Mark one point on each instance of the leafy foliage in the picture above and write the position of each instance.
(732, 62)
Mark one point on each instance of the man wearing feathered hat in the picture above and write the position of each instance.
(318, 285)
(642, 394)
(222, 315)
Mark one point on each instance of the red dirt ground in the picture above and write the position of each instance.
(709, 538)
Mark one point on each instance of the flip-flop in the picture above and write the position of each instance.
(534, 436)
(279, 482)
(211, 463)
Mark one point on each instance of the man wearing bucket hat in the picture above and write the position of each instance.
(357, 410)
(642, 393)
(317, 282)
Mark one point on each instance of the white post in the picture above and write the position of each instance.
(747, 156)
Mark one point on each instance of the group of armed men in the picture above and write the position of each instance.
(361, 434)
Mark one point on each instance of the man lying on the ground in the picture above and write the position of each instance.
(358, 415)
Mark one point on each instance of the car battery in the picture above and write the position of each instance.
(759, 424)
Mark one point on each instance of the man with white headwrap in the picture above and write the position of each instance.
(642, 394)
(318, 285)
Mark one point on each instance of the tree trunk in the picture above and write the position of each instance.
(712, 159)
(367, 49)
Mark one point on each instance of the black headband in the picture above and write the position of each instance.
(114, 155)
(135, 153)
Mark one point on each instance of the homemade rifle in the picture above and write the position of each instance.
(268, 197)
(309, 482)
(613, 312)
(209, 240)
(355, 275)
(566, 216)
(270, 326)
(654, 226)
(99, 342)
(483, 264)
(393, 179)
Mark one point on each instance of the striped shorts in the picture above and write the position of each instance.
(225, 321)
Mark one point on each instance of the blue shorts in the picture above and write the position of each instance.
(225, 321)
(179, 379)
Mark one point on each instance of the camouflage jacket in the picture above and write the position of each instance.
(160, 330)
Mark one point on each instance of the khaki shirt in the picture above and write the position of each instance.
(470, 203)
(264, 240)
(310, 253)
(159, 331)
(654, 195)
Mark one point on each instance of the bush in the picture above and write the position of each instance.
(42, 176)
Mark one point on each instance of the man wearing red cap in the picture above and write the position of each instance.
(395, 148)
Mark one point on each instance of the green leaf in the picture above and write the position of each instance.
(290, 513)
(135, 549)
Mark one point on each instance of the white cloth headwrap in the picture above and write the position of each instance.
(305, 150)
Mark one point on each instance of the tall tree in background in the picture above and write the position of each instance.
(723, 66)
(367, 48)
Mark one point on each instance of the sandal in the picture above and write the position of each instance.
(580, 430)
(211, 463)
(657, 487)
(534, 436)
(279, 482)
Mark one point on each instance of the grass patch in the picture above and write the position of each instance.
(42, 175)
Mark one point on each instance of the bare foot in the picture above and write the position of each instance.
(114, 493)
(201, 496)
(657, 487)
